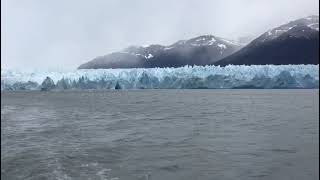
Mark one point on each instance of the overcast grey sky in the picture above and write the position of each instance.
(62, 34)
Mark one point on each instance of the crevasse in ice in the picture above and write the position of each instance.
(231, 76)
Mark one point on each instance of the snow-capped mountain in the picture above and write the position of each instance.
(296, 42)
(310, 21)
(202, 50)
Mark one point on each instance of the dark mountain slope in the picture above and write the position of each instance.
(294, 43)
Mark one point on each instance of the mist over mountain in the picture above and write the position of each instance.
(244, 40)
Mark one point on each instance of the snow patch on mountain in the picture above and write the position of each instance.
(149, 56)
(230, 42)
(222, 46)
(167, 48)
(206, 40)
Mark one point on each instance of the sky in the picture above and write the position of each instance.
(62, 34)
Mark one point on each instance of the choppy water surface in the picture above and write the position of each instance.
(160, 134)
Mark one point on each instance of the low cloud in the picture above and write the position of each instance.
(61, 35)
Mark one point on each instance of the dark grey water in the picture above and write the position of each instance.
(160, 135)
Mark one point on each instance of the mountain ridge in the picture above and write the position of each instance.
(296, 42)
(201, 50)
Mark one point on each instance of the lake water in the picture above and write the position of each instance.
(160, 135)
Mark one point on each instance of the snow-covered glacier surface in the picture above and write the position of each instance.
(232, 76)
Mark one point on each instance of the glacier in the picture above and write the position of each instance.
(188, 77)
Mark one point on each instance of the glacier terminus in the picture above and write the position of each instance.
(187, 77)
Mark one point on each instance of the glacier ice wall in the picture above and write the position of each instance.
(232, 76)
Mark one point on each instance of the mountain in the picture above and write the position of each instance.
(296, 42)
(202, 50)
